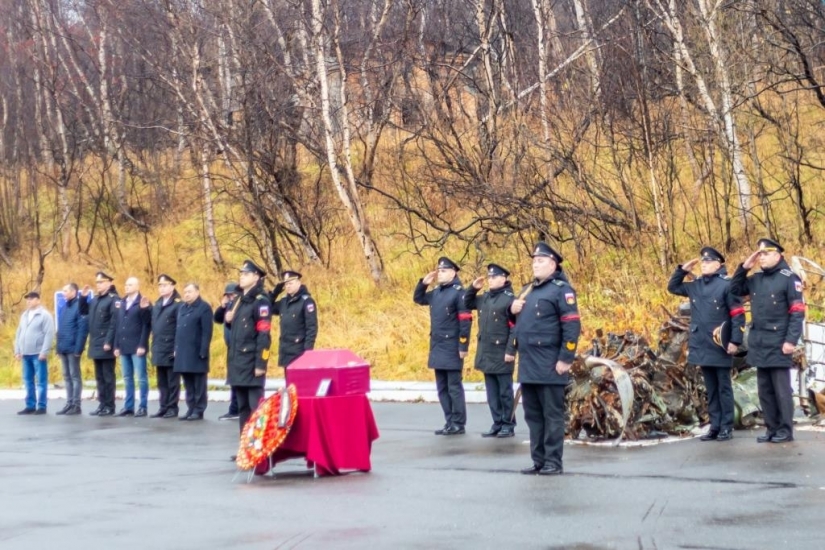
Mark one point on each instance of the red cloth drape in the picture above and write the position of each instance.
(333, 433)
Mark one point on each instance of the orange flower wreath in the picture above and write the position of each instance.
(261, 435)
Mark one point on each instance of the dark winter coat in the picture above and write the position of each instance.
(132, 326)
(164, 326)
(547, 330)
(777, 313)
(494, 324)
(219, 318)
(102, 324)
(299, 325)
(450, 323)
(193, 335)
(73, 326)
(249, 338)
(711, 304)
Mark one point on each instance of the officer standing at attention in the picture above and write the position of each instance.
(249, 323)
(495, 355)
(777, 316)
(546, 336)
(102, 340)
(712, 304)
(299, 318)
(164, 327)
(450, 322)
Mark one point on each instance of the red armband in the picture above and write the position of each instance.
(263, 325)
(737, 311)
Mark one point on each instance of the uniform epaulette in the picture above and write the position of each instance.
(305, 297)
(261, 297)
(786, 272)
(458, 287)
(558, 282)
(725, 277)
(509, 293)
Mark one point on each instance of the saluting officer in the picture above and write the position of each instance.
(712, 304)
(545, 336)
(777, 316)
(450, 322)
(102, 340)
(164, 325)
(249, 323)
(495, 355)
(299, 318)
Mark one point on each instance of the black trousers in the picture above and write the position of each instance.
(233, 401)
(500, 399)
(776, 399)
(168, 388)
(195, 383)
(544, 414)
(451, 396)
(248, 399)
(720, 397)
(105, 377)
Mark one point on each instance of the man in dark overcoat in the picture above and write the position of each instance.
(193, 335)
(164, 328)
(249, 340)
(777, 318)
(495, 355)
(101, 341)
(230, 293)
(450, 323)
(132, 327)
(546, 336)
(712, 304)
(298, 314)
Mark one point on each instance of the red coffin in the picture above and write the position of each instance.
(348, 373)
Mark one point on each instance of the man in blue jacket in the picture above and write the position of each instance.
(450, 322)
(546, 336)
(711, 304)
(72, 329)
(132, 326)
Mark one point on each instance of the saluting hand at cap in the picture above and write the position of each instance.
(690, 264)
(751, 261)
(478, 283)
(429, 278)
(144, 302)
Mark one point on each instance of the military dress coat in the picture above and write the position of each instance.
(299, 325)
(164, 325)
(777, 313)
(193, 335)
(711, 304)
(249, 338)
(450, 323)
(102, 325)
(494, 324)
(547, 330)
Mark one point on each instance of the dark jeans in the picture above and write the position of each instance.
(248, 399)
(233, 401)
(72, 377)
(500, 399)
(720, 397)
(451, 396)
(776, 399)
(105, 377)
(168, 388)
(544, 414)
(195, 383)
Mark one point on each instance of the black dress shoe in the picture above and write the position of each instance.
(170, 414)
(710, 436)
(75, 410)
(185, 417)
(782, 438)
(40, 411)
(64, 410)
(233, 458)
(551, 470)
(106, 412)
(192, 417)
(532, 470)
(506, 433)
(140, 412)
(441, 431)
(454, 430)
(725, 435)
(26, 411)
(158, 414)
(492, 432)
(97, 411)
(126, 412)
(765, 438)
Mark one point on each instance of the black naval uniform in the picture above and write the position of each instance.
(711, 304)
(250, 339)
(299, 324)
(164, 323)
(777, 316)
(547, 330)
(450, 323)
(102, 332)
(494, 324)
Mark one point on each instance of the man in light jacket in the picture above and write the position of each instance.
(32, 343)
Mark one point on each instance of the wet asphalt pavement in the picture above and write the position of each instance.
(150, 484)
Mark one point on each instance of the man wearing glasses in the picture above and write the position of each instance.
(777, 316)
(712, 305)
